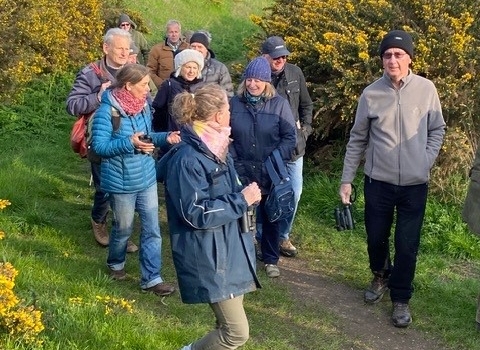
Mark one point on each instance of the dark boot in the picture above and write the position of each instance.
(377, 288)
(401, 315)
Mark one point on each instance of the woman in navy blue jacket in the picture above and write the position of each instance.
(128, 173)
(214, 260)
(261, 122)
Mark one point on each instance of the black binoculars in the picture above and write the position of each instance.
(344, 218)
(247, 221)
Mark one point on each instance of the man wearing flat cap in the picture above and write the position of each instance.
(289, 81)
(399, 129)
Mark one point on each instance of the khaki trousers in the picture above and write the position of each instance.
(232, 328)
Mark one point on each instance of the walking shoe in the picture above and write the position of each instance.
(272, 270)
(161, 289)
(100, 233)
(377, 288)
(258, 250)
(118, 275)
(401, 315)
(131, 247)
(287, 248)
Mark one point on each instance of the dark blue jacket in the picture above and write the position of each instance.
(213, 260)
(123, 169)
(256, 132)
(163, 119)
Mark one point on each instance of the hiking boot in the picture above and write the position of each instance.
(287, 248)
(258, 250)
(117, 275)
(375, 291)
(401, 315)
(100, 233)
(272, 270)
(161, 289)
(131, 247)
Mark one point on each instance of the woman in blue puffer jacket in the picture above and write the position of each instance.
(214, 260)
(121, 135)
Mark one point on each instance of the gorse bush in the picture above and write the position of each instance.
(51, 37)
(23, 322)
(336, 44)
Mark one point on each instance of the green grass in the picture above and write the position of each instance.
(49, 241)
(227, 21)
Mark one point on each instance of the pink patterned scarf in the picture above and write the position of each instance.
(129, 103)
(215, 136)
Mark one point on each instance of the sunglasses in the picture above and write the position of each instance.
(397, 55)
(284, 57)
(125, 25)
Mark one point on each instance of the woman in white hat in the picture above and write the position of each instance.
(186, 77)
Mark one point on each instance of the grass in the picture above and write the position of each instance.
(62, 271)
(227, 21)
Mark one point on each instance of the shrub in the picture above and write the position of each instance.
(336, 45)
(51, 37)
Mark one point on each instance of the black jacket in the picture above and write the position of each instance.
(291, 85)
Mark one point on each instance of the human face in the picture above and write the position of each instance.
(200, 48)
(254, 86)
(276, 64)
(117, 52)
(125, 26)
(141, 89)
(132, 58)
(395, 63)
(189, 71)
(223, 116)
(173, 33)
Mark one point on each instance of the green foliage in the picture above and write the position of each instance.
(336, 44)
(51, 37)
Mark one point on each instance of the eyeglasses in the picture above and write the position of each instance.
(280, 57)
(397, 55)
(125, 25)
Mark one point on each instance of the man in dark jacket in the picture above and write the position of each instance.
(289, 81)
(84, 98)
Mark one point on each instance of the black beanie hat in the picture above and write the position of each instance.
(199, 37)
(399, 39)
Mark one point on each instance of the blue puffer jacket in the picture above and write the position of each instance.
(124, 170)
(256, 132)
(213, 260)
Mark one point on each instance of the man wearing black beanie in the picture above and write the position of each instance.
(213, 71)
(399, 128)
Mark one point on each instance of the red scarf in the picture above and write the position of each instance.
(129, 103)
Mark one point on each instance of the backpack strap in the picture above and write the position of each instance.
(98, 71)
(276, 167)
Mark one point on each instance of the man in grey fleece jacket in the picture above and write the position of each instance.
(399, 128)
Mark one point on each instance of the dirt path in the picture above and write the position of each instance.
(368, 326)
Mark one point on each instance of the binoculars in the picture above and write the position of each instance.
(344, 218)
(247, 221)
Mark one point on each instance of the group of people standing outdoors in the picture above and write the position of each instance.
(208, 145)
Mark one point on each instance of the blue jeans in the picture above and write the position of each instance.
(100, 200)
(150, 255)
(295, 171)
(382, 200)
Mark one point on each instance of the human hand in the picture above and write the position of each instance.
(143, 146)
(103, 87)
(252, 193)
(174, 137)
(345, 193)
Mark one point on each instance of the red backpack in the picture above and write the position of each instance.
(78, 140)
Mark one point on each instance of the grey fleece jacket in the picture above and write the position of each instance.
(399, 132)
